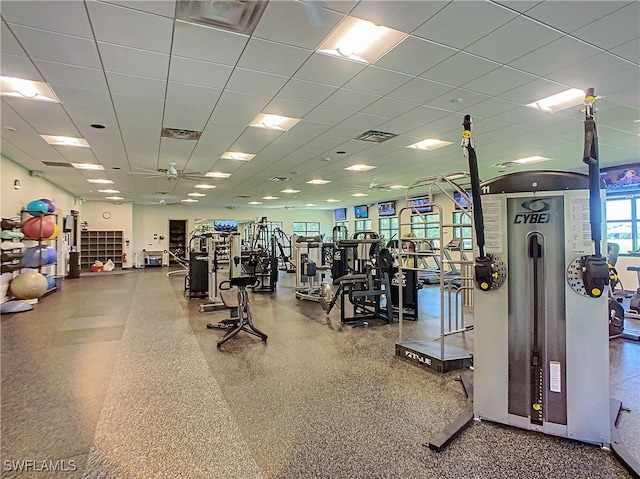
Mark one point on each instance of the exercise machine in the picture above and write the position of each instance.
(215, 302)
(309, 257)
(541, 354)
(283, 241)
(237, 301)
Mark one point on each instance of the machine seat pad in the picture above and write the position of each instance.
(229, 298)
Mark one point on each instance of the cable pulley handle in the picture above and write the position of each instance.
(590, 158)
(470, 153)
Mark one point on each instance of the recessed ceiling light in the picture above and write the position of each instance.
(273, 122)
(100, 181)
(360, 40)
(311, 204)
(455, 176)
(87, 166)
(318, 182)
(360, 167)
(27, 89)
(559, 101)
(531, 159)
(236, 155)
(65, 141)
(98, 126)
(359, 194)
(290, 190)
(430, 144)
(114, 198)
(396, 187)
(109, 191)
(205, 187)
(188, 200)
(255, 202)
(196, 194)
(332, 200)
(269, 197)
(217, 174)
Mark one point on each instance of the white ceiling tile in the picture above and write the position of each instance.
(226, 116)
(345, 133)
(414, 55)
(398, 127)
(208, 44)
(198, 95)
(500, 80)
(305, 91)
(68, 16)
(350, 100)
(587, 71)
(132, 61)
(532, 91)
(137, 86)
(197, 72)
(473, 21)
(265, 56)
(138, 111)
(216, 138)
(243, 101)
(300, 31)
(618, 82)
(629, 50)
(343, 6)
(449, 100)
(546, 59)
(615, 29)
(19, 66)
(424, 114)
(459, 69)
(389, 107)
(57, 47)
(258, 83)
(567, 16)
(419, 90)
(401, 15)
(489, 108)
(186, 116)
(8, 43)
(304, 131)
(58, 74)
(87, 107)
(123, 26)
(519, 5)
(252, 140)
(377, 81)
(292, 109)
(166, 8)
(332, 116)
(329, 70)
(512, 40)
(44, 117)
(178, 151)
(626, 97)
(364, 121)
(77, 155)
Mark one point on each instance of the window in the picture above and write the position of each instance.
(388, 228)
(425, 226)
(303, 228)
(622, 223)
(465, 232)
(363, 225)
(261, 237)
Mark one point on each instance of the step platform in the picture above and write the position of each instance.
(427, 354)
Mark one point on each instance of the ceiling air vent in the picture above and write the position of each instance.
(279, 178)
(180, 134)
(240, 16)
(375, 136)
(57, 163)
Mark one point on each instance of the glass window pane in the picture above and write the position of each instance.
(384, 223)
(620, 233)
(394, 223)
(619, 209)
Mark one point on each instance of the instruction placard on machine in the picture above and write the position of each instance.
(579, 226)
(492, 214)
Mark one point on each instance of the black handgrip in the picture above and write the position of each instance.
(467, 143)
(590, 157)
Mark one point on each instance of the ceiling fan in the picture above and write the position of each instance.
(171, 173)
(372, 187)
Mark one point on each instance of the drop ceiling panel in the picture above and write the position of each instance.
(587, 71)
(364, 121)
(545, 59)
(626, 97)
(197, 95)
(420, 90)
(424, 115)
(489, 108)
(123, 26)
(196, 72)
(614, 29)
(133, 110)
(151, 88)
(329, 70)
(68, 17)
(401, 15)
(532, 91)
(44, 117)
(331, 116)
(265, 56)
(57, 47)
(459, 69)
(186, 116)
(132, 61)
(305, 91)
(77, 155)
(300, 29)
(243, 101)
(500, 80)
(86, 106)
(291, 109)
(218, 137)
(514, 39)
(224, 117)
(350, 100)
(257, 83)
(19, 66)
(176, 151)
(166, 8)
(449, 101)
(208, 44)
(58, 74)
(630, 50)
(473, 21)
(389, 107)
(377, 81)
(414, 55)
(304, 131)
(566, 16)
(8, 43)
(252, 140)
(619, 82)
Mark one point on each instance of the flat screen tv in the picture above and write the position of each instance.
(621, 179)
(225, 226)
(361, 211)
(420, 205)
(387, 208)
(462, 201)
(340, 214)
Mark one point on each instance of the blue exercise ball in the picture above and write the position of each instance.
(51, 281)
(35, 256)
(50, 206)
(37, 208)
(52, 254)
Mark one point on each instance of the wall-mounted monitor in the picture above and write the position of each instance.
(387, 208)
(420, 205)
(621, 179)
(225, 226)
(462, 201)
(340, 214)
(361, 211)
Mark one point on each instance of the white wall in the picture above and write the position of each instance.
(121, 220)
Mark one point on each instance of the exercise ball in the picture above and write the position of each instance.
(29, 285)
(51, 281)
(52, 254)
(38, 228)
(35, 256)
(50, 206)
(55, 232)
(37, 208)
